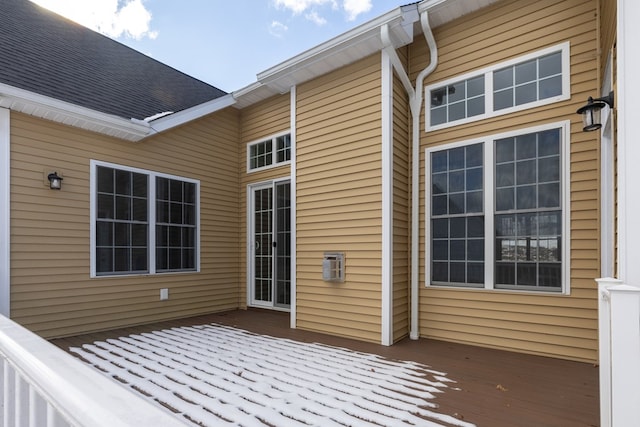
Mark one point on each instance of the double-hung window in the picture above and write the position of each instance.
(497, 210)
(143, 222)
(529, 81)
(274, 151)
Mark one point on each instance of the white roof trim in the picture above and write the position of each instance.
(181, 117)
(45, 107)
(53, 109)
(342, 42)
(353, 45)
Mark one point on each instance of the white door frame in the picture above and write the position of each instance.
(251, 248)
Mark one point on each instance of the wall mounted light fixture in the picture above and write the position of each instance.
(591, 112)
(55, 181)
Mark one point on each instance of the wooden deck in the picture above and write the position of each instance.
(496, 388)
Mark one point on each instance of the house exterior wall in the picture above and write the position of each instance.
(554, 325)
(51, 290)
(339, 200)
(259, 121)
(608, 26)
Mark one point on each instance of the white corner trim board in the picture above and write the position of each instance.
(5, 211)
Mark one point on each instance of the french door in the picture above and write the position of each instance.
(270, 245)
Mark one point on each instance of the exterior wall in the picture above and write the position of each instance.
(608, 42)
(339, 200)
(259, 121)
(608, 10)
(51, 292)
(401, 207)
(555, 325)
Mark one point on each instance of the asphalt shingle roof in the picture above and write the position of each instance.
(47, 54)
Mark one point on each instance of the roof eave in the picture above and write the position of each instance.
(344, 49)
(45, 107)
(181, 117)
(353, 45)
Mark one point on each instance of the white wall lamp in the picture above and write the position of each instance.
(55, 181)
(591, 112)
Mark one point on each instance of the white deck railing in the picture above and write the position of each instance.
(619, 341)
(43, 386)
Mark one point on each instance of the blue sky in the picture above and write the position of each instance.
(222, 42)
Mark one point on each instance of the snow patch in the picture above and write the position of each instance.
(214, 375)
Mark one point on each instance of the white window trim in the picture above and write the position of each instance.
(489, 212)
(151, 199)
(274, 163)
(564, 48)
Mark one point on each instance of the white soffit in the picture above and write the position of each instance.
(344, 49)
(45, 107)
(443, 11)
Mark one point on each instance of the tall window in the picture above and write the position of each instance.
(269, 152)
(144, 222)
(525, 212)
(122, 222)
(457, 225)
(529, 81)
(528, 232)
(175, 224)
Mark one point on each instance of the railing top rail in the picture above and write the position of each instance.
(82, 396)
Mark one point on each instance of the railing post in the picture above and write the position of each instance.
(604, 346)
(625, 355)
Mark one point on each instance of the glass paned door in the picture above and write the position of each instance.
(271, 247)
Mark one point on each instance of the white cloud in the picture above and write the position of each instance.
(352, 8)
(356, 7)
(277, 29)
(114, 18)
(315, 18)
(299, 6)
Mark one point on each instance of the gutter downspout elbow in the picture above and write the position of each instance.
(416, 108)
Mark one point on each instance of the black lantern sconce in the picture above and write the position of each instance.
(591, 112)
(55, 181)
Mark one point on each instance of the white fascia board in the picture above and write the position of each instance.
(181, 117)
(394, 19)
(45, 107)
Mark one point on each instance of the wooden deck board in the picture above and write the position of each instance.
(497, 388)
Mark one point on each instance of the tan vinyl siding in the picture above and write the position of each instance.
(51, 292)
(401, 218)
(258, 122)
(559, 326)
(608, 27)
(339, 200)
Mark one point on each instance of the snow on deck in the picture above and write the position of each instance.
(216, 375)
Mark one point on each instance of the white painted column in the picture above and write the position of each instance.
(387, 200)
(294, 250)
(624, 300)
(5, 213)
(628, 106)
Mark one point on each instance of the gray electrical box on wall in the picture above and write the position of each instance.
(333, 267)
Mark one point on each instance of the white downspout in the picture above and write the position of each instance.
(415, 103)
